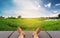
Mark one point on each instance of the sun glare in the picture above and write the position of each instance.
(30, 22)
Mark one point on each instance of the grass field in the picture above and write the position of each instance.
(29, 24)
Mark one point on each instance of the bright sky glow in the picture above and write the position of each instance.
(29, 8)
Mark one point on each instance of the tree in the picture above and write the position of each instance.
(19, 16)
(1, 17)
(11, 17)
(42, 18)
(58, 15)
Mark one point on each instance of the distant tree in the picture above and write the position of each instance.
(58, 15)
(1, 17)
(11, 17)
(42, 18)
(19, 16)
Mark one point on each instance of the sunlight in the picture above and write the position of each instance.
(30, 22)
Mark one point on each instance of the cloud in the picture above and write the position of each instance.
(55, 13)
(24, 8)
(28, 8)
(48, 5)
(57, 4)
(31, 8)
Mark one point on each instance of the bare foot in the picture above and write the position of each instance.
(21, 33)
(35, 34)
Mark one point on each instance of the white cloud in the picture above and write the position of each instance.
(54, 15)
(57, 4)
(48, 5)
(28, 8)
(55, 12)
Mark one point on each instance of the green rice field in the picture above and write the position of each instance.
(30, 24)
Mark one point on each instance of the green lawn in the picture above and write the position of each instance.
(29, 24)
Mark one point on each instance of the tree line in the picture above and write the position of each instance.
(10, 17)
(40, 17)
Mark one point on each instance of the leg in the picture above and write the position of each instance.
(35, 34)
(21, 33)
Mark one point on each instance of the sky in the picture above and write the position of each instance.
(30, 8)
